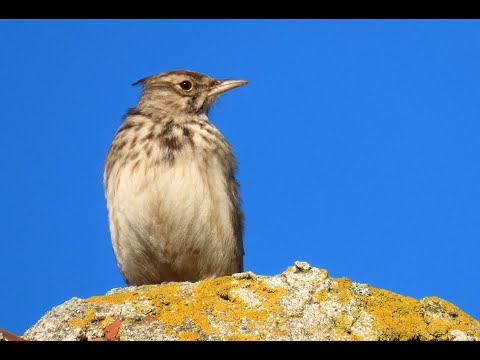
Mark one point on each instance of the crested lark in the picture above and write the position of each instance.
(170, 186)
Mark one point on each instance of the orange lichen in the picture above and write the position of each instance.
(248, 309)
(169, 331)
(321, 295)
(82, 322)
(232, 309)
(395, 317)
(211, 297)
(442, 317)
(188, 336)
(107, 321)
(115, 298)
(242, 337)
(342, 290)
(171, 317)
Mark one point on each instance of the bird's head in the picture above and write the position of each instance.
(183, 91)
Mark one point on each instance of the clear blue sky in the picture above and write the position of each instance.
(358, 143)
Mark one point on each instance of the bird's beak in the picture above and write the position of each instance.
(226, 85)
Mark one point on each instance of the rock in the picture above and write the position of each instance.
(303, 303)
(8, 336)
(458, 335)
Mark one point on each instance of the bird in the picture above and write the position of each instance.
(172, 196)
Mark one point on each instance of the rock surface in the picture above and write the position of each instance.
(8, 336)
(303, 303)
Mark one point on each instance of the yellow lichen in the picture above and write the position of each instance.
(107, 321)
(342, 290)
(393, 316)
(188, 335)
(355, 337)
(82, 322)
(171, 318)
(120, 333)
(242, 337)
(400, 317)
(438, 328)
(396, 317)
(168, 331)
(211, 296)
(174, 312)
(442, 317)
(114, 298)
(231, 308)
(344, 322)
(321, 295)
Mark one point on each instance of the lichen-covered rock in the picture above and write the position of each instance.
(303, 303)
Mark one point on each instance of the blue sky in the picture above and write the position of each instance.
(358, 144)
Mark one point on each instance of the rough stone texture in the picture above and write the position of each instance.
(8, 336)
(303, 303)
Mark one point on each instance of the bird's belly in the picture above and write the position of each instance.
(177, 224)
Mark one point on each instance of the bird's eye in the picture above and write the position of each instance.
(186, 85)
